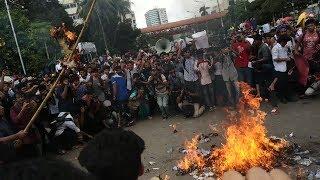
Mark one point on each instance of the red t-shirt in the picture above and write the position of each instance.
(243, 50)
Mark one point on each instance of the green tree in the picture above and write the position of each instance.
(108, 27)
(31, 37)
(263, 10)
(241, 10)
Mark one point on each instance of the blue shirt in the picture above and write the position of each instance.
(121, 82)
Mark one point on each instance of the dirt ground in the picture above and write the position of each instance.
(302, 118)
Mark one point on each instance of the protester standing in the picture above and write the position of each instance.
(242, 50)
(190, 75)
(203, 66)
(160, 84)
(280, 81)
(230, 77)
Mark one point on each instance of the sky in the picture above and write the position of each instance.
(176, 9)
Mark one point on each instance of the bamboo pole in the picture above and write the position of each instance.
(63, 70)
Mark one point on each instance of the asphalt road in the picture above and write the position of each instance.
(302, 118)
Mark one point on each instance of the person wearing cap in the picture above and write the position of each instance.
(307, 46)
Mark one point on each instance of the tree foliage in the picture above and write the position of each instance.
(265, 10)
(107, 21)
(32, 23)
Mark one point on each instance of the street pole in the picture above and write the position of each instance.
(15, 38)
(47, 52)
(102, 29)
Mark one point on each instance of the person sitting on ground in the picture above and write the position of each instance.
(42, 169)
(64, 132)
(190, 104)
(93, 114)
(114, 154)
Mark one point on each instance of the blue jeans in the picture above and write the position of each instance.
(245, 75)
(163, 103)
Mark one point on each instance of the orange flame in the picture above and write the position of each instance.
(71, 36)
(66, 40)
(247, 144)
(193, 158)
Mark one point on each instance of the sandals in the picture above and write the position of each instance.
(274, 111)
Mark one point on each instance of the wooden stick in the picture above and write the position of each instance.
(36, 114)
(86, 134)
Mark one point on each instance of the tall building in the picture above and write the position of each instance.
(72, 8)
(156, 16)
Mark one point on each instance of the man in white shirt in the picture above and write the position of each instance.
(279, 85)
(130, 70)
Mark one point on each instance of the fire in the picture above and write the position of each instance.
(193, 158)
(247, 144)
(71, 36)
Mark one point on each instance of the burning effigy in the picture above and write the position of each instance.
(247, 144)
(66, 40)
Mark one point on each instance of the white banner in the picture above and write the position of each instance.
(201, 40)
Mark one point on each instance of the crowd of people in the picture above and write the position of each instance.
(112, 92)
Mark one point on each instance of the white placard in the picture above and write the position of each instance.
(201, 40)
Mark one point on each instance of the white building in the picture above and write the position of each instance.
(72, 8)
(156, 16)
